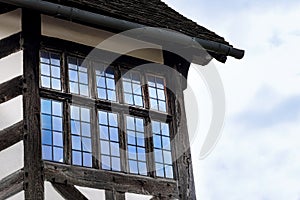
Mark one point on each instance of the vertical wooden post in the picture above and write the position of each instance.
(31, 34)
(114, 195)
(178, 82)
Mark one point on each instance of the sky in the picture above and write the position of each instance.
(257, 156)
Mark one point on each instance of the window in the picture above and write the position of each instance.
(78, 77)
(157, 95)
(50, 70)
(86, 130)
(106, 87)
(132, 89)
(52, 131)
(136, 145)
(162, 149)
(109, 141)
(81, 136)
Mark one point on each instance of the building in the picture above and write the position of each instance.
(102, 109)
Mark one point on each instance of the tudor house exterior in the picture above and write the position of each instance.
(105, 120)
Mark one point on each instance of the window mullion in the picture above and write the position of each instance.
(149, 147)
(123, 142)
(145, 91)
(95, 138)
(119, 85)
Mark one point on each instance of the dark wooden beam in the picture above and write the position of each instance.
(31, 34)
(107, 180)
(11, 184)
(4, 8)
(68, 192)
(114, 195)
(11, 89)
(9, 45)
(180, 141)
(11, 135)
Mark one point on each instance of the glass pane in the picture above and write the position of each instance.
(137, 89)
(140, 139)
(45, 82)
(109, 72)
(58, 139)
(114, 135)
(153, 104)
(132, 152)
(85, 114)
(87, 144)
(46, 122)
(162, 106)
(55, 84)
(103, 117)
(87, 159)
(114, 148)
(157, 141)
(104, 133)
(58, 154)
(160, 83)
(133, 167)
(105, 147)
(115, 164)
(72, 63)
(46, 106)
(46, 137)
(138, 100)
(130, 123)
(57, 123)
(166, 143)
(75, 127)
(45, 69)
(127, 87)
(105, 162)
(83, 78)
(45, 58)
(76, 158)
(74, 88)
(155, 127)
(84, 90)
(113, 121)
(152, 93)
(47, 152)
(75, 112)
(131, 137)
(110, 83)
(159, 170)
(128, 99)
(169, 171)
(101, 93)
(86, 129)
(55, 59)
(73, 75)
(167, 157)
(161, 95)
(142, 168)
(111, 95)
(165, 129)
(158, 155)
(141, 154)
(101, 82)
(55, 72)
(76, 143)
(56, 108)
(139, 124)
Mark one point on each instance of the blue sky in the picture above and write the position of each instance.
(257, 156)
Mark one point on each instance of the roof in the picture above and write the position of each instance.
(153, 13)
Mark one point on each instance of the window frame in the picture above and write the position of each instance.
(96, 104)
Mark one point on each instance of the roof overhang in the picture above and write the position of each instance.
(94, 19)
